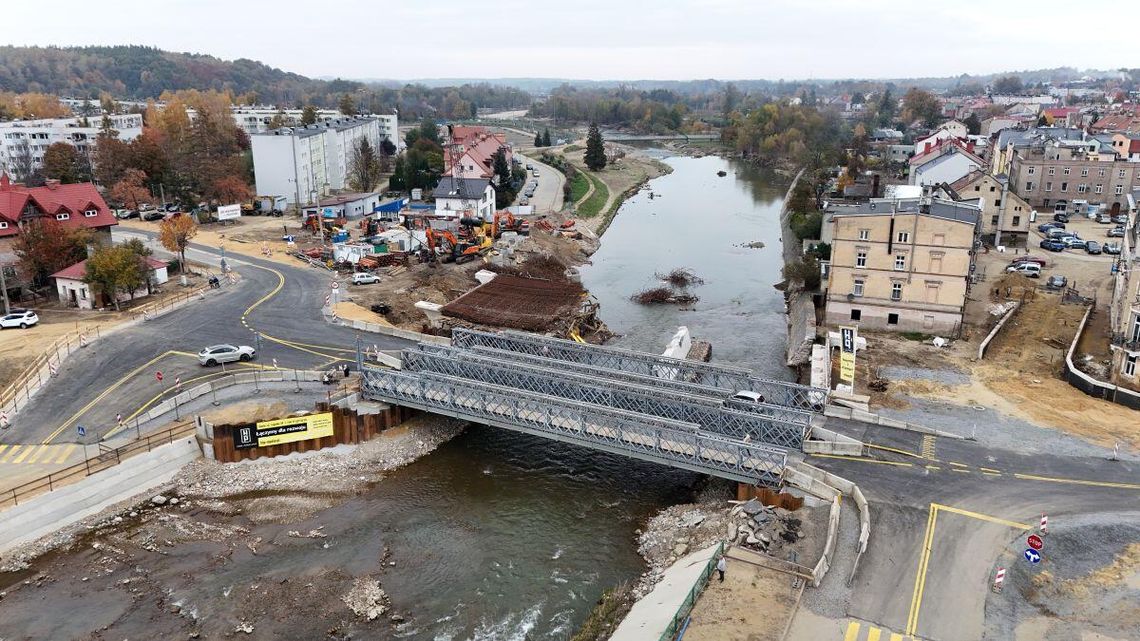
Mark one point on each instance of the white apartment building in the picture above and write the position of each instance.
(304, 164)
(35, 136)
(256, 119)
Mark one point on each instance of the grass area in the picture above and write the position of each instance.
(572, 148)
(606, 615)
(593, 205)
(579, 185)
(916, 336)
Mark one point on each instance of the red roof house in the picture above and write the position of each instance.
(77, 205)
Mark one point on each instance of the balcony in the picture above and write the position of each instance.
(1125, 342)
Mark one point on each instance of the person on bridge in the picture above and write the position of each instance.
(720, 567)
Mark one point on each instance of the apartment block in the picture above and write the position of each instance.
(32, 137)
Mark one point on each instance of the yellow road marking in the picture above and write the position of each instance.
(927, 546)
(928, 446)
(40, 450)
(933, 467)
(28, 449)
(155, 398)
(852, 632)
(989, 469)
(11, 453)
(1051, 479)
(896, 637)
(893, 449)
(173, 351)
(991, 473)
(873, 634)
(66, 453)
(3, 446)
(957, 464)
(864, 460)
(958, 469)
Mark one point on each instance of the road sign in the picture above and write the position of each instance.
(1035, 542)
(999, 579)
(335, 285)
(158, 376)
(847, 354)
(1033, 556)
(82, 430)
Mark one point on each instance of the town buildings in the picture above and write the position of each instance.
(352, 206)
(256, 119)
(901, 265)
(305, 163)
(471, 152)
(1124, 309)
(30, 138)
(1001, 209)
(1051, 175)
(944, 161)
(74, 292)
(464, 198)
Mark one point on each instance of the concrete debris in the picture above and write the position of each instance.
(753, 507)
(158, 499)
(366, 599)
(244, 627)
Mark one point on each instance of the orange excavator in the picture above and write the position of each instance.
(510, 223)
(459, 252)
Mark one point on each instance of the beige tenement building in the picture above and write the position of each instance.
(902, 265)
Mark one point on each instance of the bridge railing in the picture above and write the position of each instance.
(727, 378)
(708, 415)
(669, 442)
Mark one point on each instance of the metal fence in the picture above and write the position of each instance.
(682, 613)
(708, 414)
(665, 441)
(19, 393)
(103, 458)
(726, 378)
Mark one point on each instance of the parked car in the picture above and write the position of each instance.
(1072, 242)
(1032, 270)
(1053, 245)
(534, 173)
(529, 167)
(1056, 282)
(364, 278)
(1103, 219)
(1061, 233)
(216, 354)
(1061, 218)
(524, 202)
(1092, 247)
(1045, 227)
(1120, 219)
(172, 207)
(747, 397)
(1116, 232)
(123, 214)
(153, 214)
(22, 318)
(1112, 248)
(1040, 260)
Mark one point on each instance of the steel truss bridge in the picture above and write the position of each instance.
(648, 407)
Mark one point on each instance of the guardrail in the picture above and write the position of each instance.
(36, 375)
(686, 606)
(648, 438)
(161, 306)
(104, 458)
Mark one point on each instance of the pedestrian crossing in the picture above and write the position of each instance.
(855, 632)
(928, 447)
(38, 454)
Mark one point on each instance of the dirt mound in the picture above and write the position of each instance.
(521, 303)
(539, 266)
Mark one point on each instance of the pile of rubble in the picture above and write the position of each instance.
(675, 532)
(762, 528)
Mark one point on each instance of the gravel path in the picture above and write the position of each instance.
(833, 598)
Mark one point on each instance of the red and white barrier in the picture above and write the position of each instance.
(119, 420)
(1044, 525)
(54, 368)
(999, 579)
(4, 420)
(83, 340)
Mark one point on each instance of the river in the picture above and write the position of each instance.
(703, 222)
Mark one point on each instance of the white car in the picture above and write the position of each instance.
(23, 319)
(364, 278)
(216, 354)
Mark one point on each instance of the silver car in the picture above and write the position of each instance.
(217, 354)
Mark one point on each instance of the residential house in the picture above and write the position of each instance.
(352, 206)
(886, 135)
(1062, 116)
(73, 206)
(1010, 140)
(304, 163)
(932, 140)
(464, 198)
(956, 128)
(903, 265)
(991, 126)
(21, 139)
(1005, 216)
(73, 291)
(947, 162)
(1049, 176)
(1123, 121)
(472, 150)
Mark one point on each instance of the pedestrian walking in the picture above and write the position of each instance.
(720, 567)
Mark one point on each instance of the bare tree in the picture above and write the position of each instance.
(363, 166)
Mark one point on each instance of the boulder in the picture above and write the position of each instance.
(158, 499)
(733, 530)
(751, 540)
(174, 500)
(753, 507)
(680, 549)
(692, 519)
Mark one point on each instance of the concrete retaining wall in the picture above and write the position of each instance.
(839, 411)
(134, 476)
(245, 377)
(822, 441)
(376, 328)
(997, 328)
(829, 486)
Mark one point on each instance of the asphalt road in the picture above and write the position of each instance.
(548, 196)
(116, 374)
(942, 511)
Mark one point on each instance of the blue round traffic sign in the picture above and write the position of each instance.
(1033, 556)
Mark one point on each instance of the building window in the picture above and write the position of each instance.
(900, 262)
(1065, 171)
(3, 225)
(991, 189)
(1121, 173)
(1029, 170)
(1100, 172)
(1099, 189)
(997, 202)
(1052, 171)
(62, 216)
(1084, 172)
(864, 234)
(896, 291)
(861, 259)
(1029, 185)
(858, 289)
(856, 314)
(1082, 188)
(1120, 190)
(892, 319)
(1064, 186)
(904, 237)
(1130, 365)
(1016, 221)
(1046, 203)
(91, 213)
(994, 219)
(977, 187)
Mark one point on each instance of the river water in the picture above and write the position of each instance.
(698, 220)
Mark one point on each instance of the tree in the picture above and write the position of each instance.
(278, 120)
(973, 125)
(308, 116)
(175, 234)
(595, 149)
(921, 105)
(397, 182)
(387, 147)
(131, 189)
(731, 99)
(546, 137)
(64, 163)
(537, 139)
(363, 166)
(229, 190)
(24, 166)
(109, 157)
(116, 268)
(347, 106)
(1007, 85)
(886, 108)
(44, 247)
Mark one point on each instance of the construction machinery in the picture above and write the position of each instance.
(505, 221)
(447, 248)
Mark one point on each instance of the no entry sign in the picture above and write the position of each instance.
(158, 376)
(1035, 542)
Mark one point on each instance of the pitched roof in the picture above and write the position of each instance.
(944, 147)
(465, 188)
(53, 199)
(79, 270)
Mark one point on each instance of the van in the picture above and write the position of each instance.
(1032, 270)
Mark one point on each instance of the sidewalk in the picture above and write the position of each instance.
(649, 617)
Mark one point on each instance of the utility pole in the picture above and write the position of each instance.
(4, 290)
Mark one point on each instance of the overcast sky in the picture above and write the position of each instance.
(599, 39)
